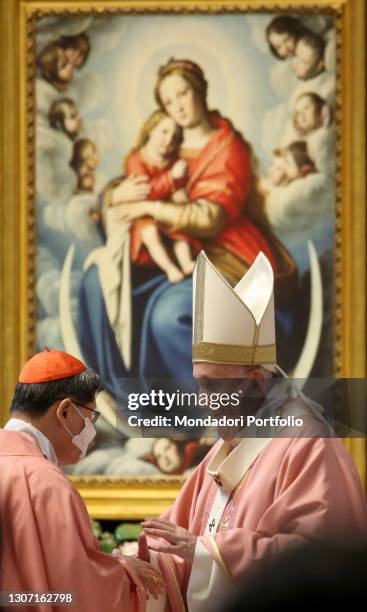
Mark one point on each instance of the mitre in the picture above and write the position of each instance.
(233, 325)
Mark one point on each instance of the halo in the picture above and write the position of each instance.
(210, 64)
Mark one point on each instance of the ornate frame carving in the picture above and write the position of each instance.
(133, 498)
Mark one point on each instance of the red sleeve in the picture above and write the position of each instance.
(161, 183)
(162, 186)
(227, 178)
(135, 164)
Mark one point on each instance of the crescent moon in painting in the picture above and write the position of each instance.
(105, 402)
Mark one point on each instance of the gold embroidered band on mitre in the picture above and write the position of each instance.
(212, 352)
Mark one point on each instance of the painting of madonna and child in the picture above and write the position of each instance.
(161, 135)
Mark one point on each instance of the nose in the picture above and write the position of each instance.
(179, 106)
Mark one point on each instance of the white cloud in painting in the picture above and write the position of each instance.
(129, 466)
(55, 179)
(78, 221)
(46, 94)
(48, 285)
(97, 461)
(46, 261)
(51, 28)
(273, 126)
(323, 85)
(87, 90)
(104, 32)
(300, 211)
(282, 79)
(321, 147)
(258, 24)
(99, 131)
(49, 334)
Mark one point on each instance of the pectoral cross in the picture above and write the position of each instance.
(211, 525)
(224, 524)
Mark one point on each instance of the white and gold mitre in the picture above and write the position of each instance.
(233, 325)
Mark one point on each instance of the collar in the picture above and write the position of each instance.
(42, 441)
(227, 467)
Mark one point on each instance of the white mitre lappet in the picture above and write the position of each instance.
(234, 325)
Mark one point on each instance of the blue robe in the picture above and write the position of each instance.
(162, 331)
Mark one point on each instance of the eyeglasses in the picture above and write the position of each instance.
(95, 413)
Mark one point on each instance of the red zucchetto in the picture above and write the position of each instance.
(50, 365)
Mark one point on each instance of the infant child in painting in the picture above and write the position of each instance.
(155, 156)
(290, 163)
(64, 115)
(311, 112)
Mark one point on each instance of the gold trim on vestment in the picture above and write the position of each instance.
(218, 557)
(199, 298)
(212, 352)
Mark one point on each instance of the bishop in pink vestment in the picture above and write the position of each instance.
(297, 490)
(252, 497)
(46, 540)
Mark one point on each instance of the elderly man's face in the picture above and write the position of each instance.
(205, 371)
(224, 378)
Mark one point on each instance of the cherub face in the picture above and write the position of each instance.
(86, 178)
(306, 117)
(72, 121)
(162, 136)
(75, 56)
(90, 156)
(167, 456)
(65, 69)
(277, 171)
(180, 101)
(305, 61)
(284, 44)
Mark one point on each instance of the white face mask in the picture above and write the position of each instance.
(85, 437)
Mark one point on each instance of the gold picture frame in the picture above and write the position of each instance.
(108, 497)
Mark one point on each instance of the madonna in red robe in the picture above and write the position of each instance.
(225, 209)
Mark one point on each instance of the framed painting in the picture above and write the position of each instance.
(137, 133)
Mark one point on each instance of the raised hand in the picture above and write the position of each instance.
(178, 541)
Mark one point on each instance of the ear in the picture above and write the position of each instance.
(64, 408)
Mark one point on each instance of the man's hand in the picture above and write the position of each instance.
(178, 540)
(150, 578)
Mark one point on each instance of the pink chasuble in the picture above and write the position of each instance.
(297, 489)
(46, 543)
